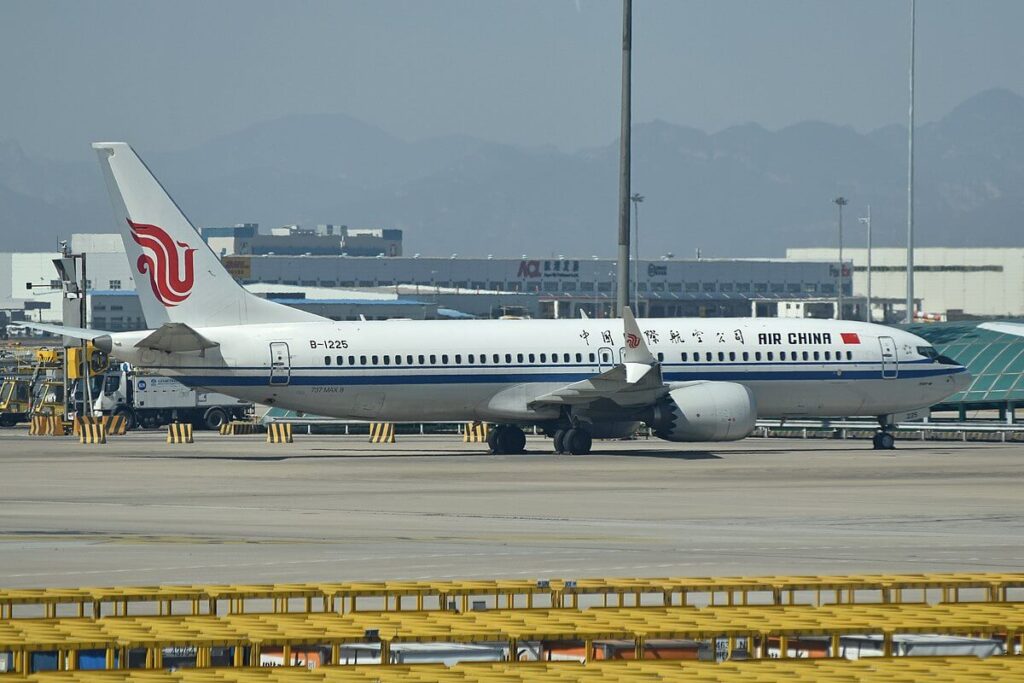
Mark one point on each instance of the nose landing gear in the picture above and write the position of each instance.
(883, 440)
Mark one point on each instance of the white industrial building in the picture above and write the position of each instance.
(953, 283)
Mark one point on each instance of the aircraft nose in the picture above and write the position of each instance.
(962, 379)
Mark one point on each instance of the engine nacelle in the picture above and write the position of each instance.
(705, 411)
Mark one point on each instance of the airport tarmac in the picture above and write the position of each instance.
(236, 509)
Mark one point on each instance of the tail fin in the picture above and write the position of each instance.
(177, 277)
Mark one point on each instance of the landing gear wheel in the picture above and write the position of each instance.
(577, 441)
(511, 440)
(883, 441)
(492, 439)
(559, 441)
(130, 422)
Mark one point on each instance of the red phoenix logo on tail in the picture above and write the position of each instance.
(632, 341)
(170, 265)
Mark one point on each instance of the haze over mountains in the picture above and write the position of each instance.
(743, 191)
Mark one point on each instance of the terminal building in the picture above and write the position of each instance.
(949, 284)
(314, 270)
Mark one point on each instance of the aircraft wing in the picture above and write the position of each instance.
(175, 337)
(637, 381)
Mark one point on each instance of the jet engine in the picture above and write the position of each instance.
(705, 411)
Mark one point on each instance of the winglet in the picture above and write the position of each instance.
(636, 347)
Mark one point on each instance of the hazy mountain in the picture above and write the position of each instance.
(741, 191)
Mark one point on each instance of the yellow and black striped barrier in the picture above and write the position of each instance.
(36, 425)
(237, 427)
(93, 431)
(475, 432)
(382, 432)
(46, 425)
(115, 425)
(279, 432)
(179, 432)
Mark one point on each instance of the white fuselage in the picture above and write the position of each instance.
(493, 369)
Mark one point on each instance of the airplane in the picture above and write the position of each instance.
(688, 379)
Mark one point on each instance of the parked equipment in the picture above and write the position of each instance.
(151, 401)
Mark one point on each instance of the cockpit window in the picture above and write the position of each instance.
(930, 352)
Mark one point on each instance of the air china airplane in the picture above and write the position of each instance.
(688, 379)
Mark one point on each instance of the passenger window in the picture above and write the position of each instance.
(757, 355)
(508, 357)
(351, 360)
(420, 358)
(771, 355)
(408, 360)
(444, 359)
(483, 359)
(327, 361)
(782, 355)
(387, 360)
(398, 360)
(805, 355)
(732, 355)
(519, 358)
(721, 356)
(815, 355)
(543, 358)
(340, 360)
(471, 358)
(682, 356)
(496, 358)
(661, 357)
(458, 359)
(828, 355)
(592, 358)
(533, 359)
(579, 357)
(849, 355)
(362, 360)
(374, 359)
(746, 356)
(433, 359)
(565, 358)
(707, 356)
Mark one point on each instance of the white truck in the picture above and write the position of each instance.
(152, 401)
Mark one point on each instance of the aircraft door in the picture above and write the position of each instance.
(280, 363)
(605, 358)
(890, 360)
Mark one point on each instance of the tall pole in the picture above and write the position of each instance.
(910, 177)
(636, 198)
(840, 202)
(84, 312)
(622, 284)
(867, 221)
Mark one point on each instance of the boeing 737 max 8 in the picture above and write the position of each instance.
(688, 379)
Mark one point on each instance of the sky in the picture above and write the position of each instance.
(170, 75)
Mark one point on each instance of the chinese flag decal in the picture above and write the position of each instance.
(850, 337)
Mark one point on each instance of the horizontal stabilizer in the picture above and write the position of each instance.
(76, 332)
(175, 338)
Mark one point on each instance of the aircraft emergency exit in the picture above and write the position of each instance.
(688, 379)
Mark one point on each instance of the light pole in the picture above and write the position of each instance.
(867, 221)
(636, 198)
(840, 202)
(910, 177)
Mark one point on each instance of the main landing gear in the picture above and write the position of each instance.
(574, 440)
(506, 440)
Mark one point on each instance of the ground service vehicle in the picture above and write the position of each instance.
(152, 401)
(15, 400)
